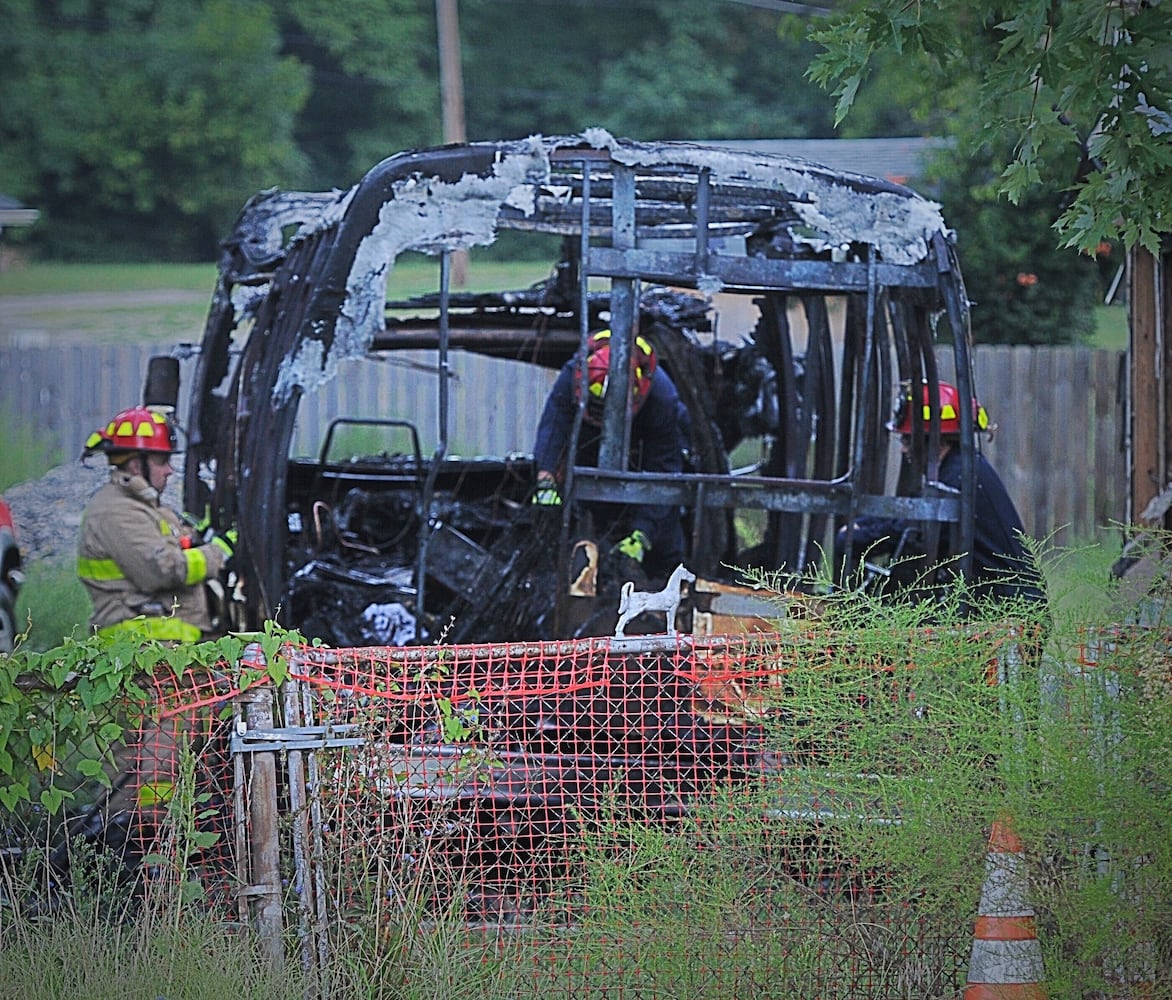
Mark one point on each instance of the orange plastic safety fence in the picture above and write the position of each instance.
(593, 792)
(607, 791)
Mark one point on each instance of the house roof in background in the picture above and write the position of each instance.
(899, 160)
(13, 213)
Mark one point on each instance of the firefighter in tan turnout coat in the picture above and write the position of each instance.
(143, 568)
(146, 573)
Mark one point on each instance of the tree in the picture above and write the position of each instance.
(647, 69)
(1088, 77)
(142, 127)
(1024, 289)
(375, 87)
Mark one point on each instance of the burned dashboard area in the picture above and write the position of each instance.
(398, 548)
(788, 302)
(353, 559)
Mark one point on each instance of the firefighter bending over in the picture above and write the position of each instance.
(654, 533)
(143, 568)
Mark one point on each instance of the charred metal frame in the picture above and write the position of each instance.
(302, 283)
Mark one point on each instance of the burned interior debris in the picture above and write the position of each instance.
(787, 301)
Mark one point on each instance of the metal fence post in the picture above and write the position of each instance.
(307, 881)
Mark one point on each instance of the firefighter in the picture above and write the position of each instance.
(146, 573)
(143, 568)
(654, 538)
(1002, 569)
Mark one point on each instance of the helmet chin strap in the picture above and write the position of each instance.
(142, 469)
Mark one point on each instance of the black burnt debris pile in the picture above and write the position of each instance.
(491, 565)
(489, 568)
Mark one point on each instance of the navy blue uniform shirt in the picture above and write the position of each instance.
(1002, 568)
(656, 446)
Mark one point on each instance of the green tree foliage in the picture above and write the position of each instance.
(1024, 289)
(648, 69)
(140, 126)
(1087, 77)
(374, 75)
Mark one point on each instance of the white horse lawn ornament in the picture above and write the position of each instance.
(634, 602)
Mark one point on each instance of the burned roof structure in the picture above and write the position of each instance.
(853, 282)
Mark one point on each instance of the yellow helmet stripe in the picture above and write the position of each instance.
(947, 412)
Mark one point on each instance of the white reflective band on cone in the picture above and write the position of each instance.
(1003, 893)
(1008, 962)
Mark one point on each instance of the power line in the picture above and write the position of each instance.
(785, 7)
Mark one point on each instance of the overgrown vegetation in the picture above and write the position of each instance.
(78, 953)
(848, 862)
(79, 700)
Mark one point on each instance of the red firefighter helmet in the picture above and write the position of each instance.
(901, 422)
(598, 373)
(136, 429)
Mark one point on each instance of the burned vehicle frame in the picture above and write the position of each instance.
(655, 238)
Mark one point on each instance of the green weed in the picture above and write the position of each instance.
(27, 454)
(51, 606)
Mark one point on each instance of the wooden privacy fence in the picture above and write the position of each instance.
(1060, 438)
(1059, 414)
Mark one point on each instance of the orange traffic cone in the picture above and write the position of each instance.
(1006, 962)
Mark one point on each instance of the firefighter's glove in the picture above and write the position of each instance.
(546, 494)
(204, 524)
(635, 546)
(226, 542)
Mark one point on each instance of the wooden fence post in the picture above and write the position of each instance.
(264, 882)
(1151, 390)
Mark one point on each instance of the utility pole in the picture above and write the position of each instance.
(447, 19)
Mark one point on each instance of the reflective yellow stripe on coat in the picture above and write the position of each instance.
(99, 569)
(164, 629)
(104, 570)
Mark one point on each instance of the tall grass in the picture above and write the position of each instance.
(75, 955)
(27, 453)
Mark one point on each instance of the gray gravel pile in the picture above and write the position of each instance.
(47, 511)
